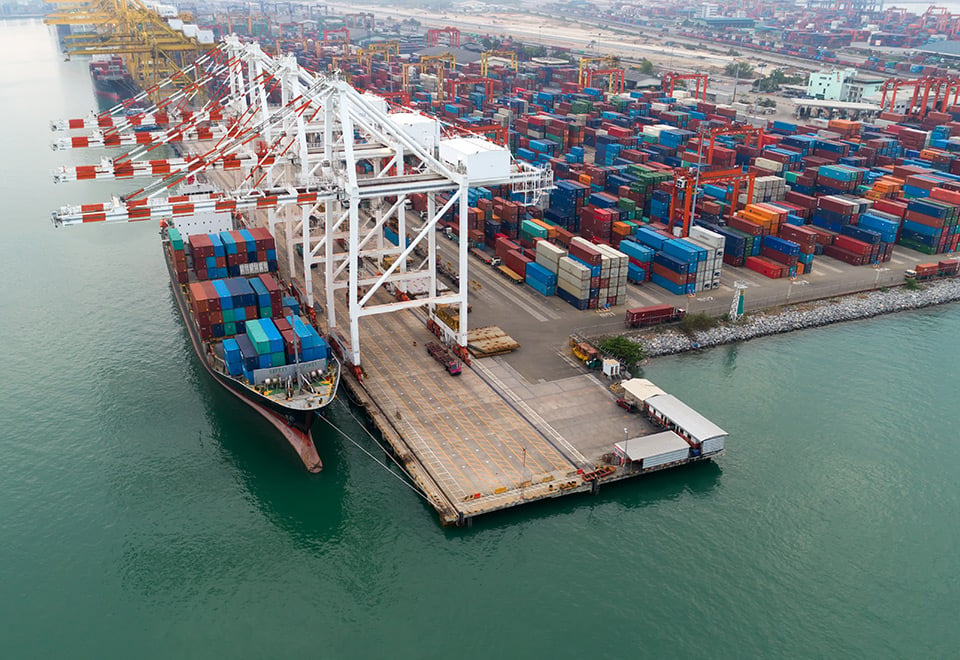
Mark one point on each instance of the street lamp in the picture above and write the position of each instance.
(794, 280)
(876, 280)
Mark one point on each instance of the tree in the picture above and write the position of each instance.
(745, 69)
(772, 82)
(627, 351)
(646, 67)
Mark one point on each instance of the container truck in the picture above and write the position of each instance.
(653, 315)
(934, 270)
(441, 355)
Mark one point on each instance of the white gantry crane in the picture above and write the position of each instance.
(330, 166)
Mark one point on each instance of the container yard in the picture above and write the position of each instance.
(585, 203)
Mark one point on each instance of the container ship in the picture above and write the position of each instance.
(252, 338)
(112, 81)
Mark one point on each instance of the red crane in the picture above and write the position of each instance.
(453, 84)
(699, 79)
(929, 93)
(752, 133)
(345, 40)
(453, 36)
(686, 180)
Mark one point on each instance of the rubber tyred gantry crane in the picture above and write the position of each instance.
(452, 34)
(685, 184)
(324, 167)
(700, 83)
(929, 93)
(752, 133)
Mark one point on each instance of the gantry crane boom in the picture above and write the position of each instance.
(294, 165)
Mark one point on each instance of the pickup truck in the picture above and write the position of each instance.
(441, 355)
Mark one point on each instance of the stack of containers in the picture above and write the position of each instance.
(673, 274)
(573, 282)
(232, 358)
(583, 251)
(209, 258)
(765, 189)
(238, 304)
(930, 225)
(248, 246)
(303, 339)
(691, 254)
(566, 200)
(268, 342)
(541, 279)
(834, 211)
(205, 302)
(640, 258)
(178, 255)
(849, 250)
(531, 230)
(548, 256)
(613, 276)
(715, 246)
(806, 239)
(290, 303)
(781, 251)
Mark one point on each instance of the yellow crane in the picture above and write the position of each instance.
(151, 49)
(606, 62)
(487, 55)
(448, 58)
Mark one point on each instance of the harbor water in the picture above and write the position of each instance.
(148, 513)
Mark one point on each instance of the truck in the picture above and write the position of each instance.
(653, 315)
(934, 270)
(490, 260)
(441, 355)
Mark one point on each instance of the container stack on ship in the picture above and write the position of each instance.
(249, 335)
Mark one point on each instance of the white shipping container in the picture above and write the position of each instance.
(575, 290)
(767, 164)
(574, 269)
(546, 263)
(550, 250)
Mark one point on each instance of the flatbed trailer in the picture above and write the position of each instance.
(511, 275)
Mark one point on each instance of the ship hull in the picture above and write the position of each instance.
(294, 425)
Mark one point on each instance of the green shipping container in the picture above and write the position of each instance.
(176, 240)
(228, 316)
(229, 329)
(258, 337)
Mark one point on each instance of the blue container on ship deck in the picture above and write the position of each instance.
(226, 300)
(248, 353)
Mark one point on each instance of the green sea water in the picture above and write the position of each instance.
(145, 512)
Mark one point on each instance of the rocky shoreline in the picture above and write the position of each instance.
(805, 315)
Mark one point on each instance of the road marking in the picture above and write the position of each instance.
(646, 296)
(538, 421)
(832, 269)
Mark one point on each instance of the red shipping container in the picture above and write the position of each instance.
(666, 273)
(852, 245)
(846, 256)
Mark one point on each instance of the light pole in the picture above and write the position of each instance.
(876, 280)
(794, 280)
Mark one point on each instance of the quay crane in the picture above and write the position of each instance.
(329, 165)
(152, 50)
